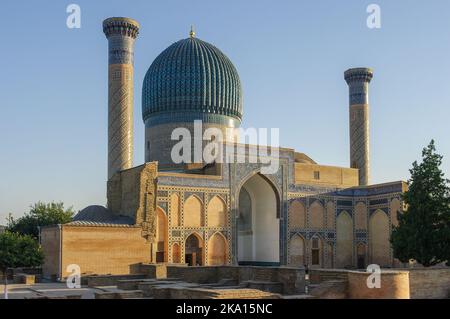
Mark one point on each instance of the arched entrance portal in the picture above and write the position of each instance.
(194, 250)
(258, 223)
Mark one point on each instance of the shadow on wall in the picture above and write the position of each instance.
(331, 230)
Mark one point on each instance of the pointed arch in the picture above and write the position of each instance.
(193, 212)
(379, 238)
(217, 212)
(297, 214)
(260, 243)
(344, 240)
(316, 213)
(276, 189)
(297, 251)
(217, 250)
(161, 235)
(193, 248)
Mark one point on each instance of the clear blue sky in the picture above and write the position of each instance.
(291, 56)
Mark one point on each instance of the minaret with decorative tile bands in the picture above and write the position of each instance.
(121, 34)
(358, 80)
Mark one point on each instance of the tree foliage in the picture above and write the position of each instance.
(423, 233)
(40, 215)
(19, 251)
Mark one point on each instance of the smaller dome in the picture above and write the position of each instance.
(100, 215)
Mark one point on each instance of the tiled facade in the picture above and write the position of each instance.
(304, 214)
(346, 221)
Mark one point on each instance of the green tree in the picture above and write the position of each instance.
(18, 251)
(423, 233)
(40, 215)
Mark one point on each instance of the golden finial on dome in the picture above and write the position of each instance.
(192, 33)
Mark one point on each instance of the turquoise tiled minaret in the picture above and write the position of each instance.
(358, 80)
(121, 34)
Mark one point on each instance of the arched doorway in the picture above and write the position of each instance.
(194, 250)
(258, 223)
(217, 250)
(361, 255)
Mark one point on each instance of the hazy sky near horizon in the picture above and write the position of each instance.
(290, 55)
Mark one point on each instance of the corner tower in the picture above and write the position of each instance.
(121, 34)
(358, 80)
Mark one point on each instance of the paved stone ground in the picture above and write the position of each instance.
(57, 290)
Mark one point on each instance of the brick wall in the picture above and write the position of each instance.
(292, 279)
(317, 276)
(104, 250)
(50, 241)
(394, 285)
(429, 283)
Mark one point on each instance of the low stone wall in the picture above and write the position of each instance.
(108, 280)
(17, 274)
(424, 283)
(317, 276)
(200, 274)
(154, 270)
(333, 289)
(394, 285)
(118, 295)
(433, 283)
(291, 279)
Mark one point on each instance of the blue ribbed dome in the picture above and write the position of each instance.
(191, 79)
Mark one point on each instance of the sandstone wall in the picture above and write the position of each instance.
(104, 250)
(394, 285)
(50, 241)
(291, 279)
(327, 175)
(429, 283)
